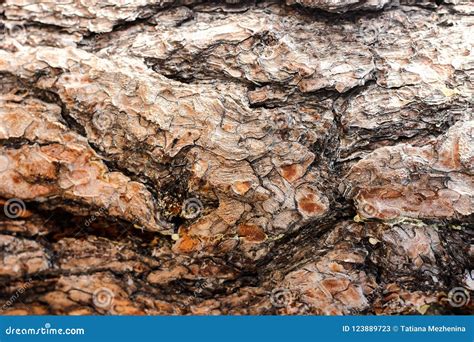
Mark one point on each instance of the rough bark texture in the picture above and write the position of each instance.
(238, 157)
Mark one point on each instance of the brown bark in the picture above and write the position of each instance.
(307, 157)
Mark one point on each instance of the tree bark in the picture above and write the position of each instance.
(238, 157)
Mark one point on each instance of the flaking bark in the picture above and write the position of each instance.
(238, 157)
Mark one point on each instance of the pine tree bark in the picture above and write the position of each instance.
(238, 157)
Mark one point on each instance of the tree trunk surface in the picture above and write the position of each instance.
(237, 157)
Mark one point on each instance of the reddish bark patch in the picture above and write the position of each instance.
(310, 204)
(290, 172)
(251, 232)
(187, 244)
(242, 187)
(352, 297)
(334, 285)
